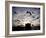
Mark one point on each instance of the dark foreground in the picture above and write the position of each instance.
(27, 27)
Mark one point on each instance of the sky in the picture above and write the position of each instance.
(24, 9)
(21, 14)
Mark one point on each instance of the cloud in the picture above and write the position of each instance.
(24, 17)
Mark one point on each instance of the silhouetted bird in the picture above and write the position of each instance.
(29, 12)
